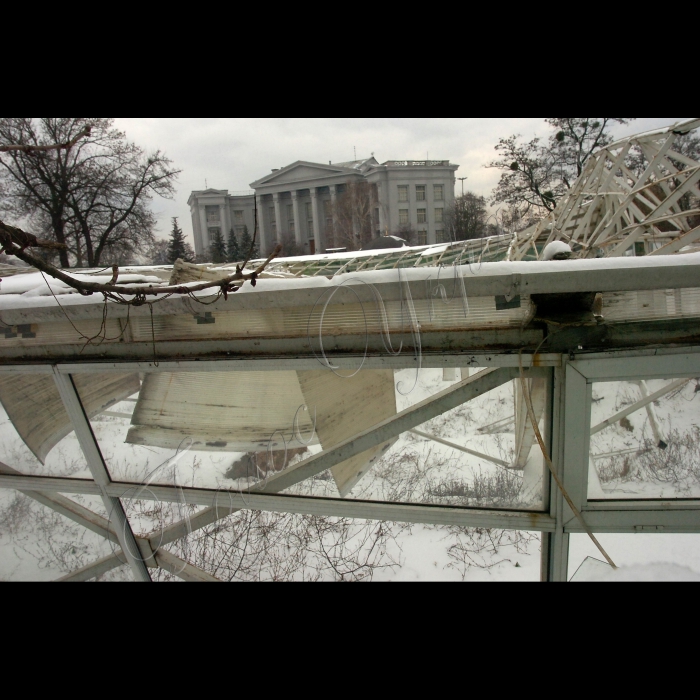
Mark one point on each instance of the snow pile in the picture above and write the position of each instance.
(556, 250)
(653, 572)
(38, 284)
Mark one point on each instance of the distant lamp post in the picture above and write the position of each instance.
(462, 179)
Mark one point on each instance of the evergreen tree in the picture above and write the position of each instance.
(246, 242)
(217, 249)
(178, 246)
(233, 249)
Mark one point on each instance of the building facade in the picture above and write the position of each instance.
(300, 202)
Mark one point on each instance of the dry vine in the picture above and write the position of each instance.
(15, 241)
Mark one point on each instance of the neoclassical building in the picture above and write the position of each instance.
(298, 201)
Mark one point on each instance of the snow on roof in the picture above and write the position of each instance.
(32, 290)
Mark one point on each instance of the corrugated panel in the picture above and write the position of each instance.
(651, 305)
(61, 333)
(33, 404)
(347, 318)
(346, 406)
(219, 411)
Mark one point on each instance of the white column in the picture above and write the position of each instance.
(204, 242)
(298, 233)
(334, 199)
(316, 219)
(262, 232)
(223, 220)
(383, 230)
(278, 215)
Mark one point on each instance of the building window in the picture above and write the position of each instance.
(422, 238)
(213, 216)
(273, 218)
(403, 193)
(420, 193)
(440, 236)
(310, 228)
(291, 227)
(422, 218)
(238, 218)
(213, 232)
(290, 212)
(308, 210)
(438, 216)
(240, 230)
(403, 216)
(438, 193)
(327, 207)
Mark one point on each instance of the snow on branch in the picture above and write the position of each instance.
(15, 241)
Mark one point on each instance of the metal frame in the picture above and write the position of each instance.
(567, 428)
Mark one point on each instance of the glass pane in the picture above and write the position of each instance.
(440, 553)
(231, 430)
(645, 440)
(150, 517)
(476, 455)
(640, 557)
(37, 543)
(264, 546)
(198, 429)
(36, 435)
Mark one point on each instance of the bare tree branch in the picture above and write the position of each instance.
(15, 242)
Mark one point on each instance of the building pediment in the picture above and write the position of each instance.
(210, 192)
(301, 172)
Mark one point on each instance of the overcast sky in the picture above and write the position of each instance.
(232, 153)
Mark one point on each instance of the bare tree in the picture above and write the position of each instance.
(83, 183)
(352, 214)
(16, 242)
(529, 175)
(537, 175)
(159, 252)
(408, 233)
(290, 247)
(577, 139)
(466, 218)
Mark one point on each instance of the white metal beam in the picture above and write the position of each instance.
(653, 420)
(461, 448)
(649, 398)
(182, 569)
(98, 468)
(95, 569)
(67, 507)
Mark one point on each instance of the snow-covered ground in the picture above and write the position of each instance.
(638, 467)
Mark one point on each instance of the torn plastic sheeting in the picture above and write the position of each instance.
(34, 406)
(220, 411)
(257, 411)
(345, 406)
